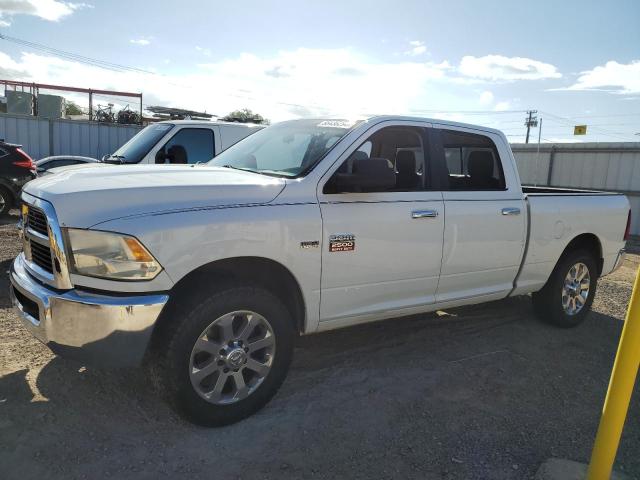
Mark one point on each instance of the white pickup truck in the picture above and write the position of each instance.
(180, 141)
(208, 272)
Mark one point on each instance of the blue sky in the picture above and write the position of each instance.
(482, 62)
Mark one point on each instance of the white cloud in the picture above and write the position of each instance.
(52, 10)
(611, 77)
(143, 42)
(486, 98)
(501, 68)
(288, 84)
(501, 106)
(417, 48)
(205, 51)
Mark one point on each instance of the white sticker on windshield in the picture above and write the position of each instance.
(336, 124)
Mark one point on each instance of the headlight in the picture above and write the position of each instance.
(110, 255)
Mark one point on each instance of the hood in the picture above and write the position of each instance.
(84, 197)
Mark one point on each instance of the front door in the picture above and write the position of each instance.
(382, 249)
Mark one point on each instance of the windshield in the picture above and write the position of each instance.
(286, 149)
(135, 149)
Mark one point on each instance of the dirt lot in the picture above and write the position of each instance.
(478, 393)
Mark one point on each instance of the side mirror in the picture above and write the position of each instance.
(368, 175)
(161, 156)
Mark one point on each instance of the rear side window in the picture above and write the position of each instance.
(191, 145)
(472, 161)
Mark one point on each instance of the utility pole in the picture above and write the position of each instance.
(530, 121)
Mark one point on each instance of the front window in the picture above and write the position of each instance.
(286, 149)
(135, 149)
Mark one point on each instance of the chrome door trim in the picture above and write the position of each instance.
(424, 214)
(511, 211)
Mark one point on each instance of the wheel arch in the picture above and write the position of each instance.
(589, 242)
(265, 272)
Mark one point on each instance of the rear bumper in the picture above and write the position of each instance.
(100, 330)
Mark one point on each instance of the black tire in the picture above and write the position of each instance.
(548, 302)
(6, 201)
(173, 353)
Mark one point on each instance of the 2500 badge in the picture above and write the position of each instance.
(344, 242)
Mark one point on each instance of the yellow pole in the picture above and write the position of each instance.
(616, 403)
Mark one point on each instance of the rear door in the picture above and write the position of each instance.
(485, 220)
(381, 250)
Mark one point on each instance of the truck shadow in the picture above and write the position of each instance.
(441, 372)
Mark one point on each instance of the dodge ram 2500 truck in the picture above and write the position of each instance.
(206, 273)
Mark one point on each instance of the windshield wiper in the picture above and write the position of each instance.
(240, 168)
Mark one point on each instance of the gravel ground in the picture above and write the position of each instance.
(483, 392)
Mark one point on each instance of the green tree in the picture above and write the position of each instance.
(72, 108)
(244, 116)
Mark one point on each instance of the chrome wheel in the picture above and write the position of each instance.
(232, 357)
(575, 289)
(3, 201)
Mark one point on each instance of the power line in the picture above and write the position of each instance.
(602, 131)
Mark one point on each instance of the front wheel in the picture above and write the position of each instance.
(566, 298)
(229, 355)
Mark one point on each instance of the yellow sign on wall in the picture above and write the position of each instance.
(580, 130)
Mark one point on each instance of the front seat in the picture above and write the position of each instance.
(407, 177)
(480, 166)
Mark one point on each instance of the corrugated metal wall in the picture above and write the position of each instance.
(42, 137)
(598, 166)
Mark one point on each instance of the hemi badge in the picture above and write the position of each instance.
(345, 242)
(309, 244)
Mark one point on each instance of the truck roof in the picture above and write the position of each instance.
(382, 118)
(209, 122)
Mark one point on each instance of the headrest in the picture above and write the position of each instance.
(406, 161)
(359, 155)
(177, 154)
(480, 164)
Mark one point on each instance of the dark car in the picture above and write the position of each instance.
(16, 169)
(43, 166)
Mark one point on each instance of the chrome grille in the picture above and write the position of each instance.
(44, 253)
(37, 221)
(41, 256)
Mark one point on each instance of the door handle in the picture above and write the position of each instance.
(424, 214)
(511, 211)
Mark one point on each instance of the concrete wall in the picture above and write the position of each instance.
(42, 137)
(597, 166)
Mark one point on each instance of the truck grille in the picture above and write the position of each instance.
(37, 221)
(41, 256)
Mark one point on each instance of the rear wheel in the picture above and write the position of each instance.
(6, 201)
(228, 356)
(566, 298)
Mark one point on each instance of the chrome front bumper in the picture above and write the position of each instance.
(98, 329)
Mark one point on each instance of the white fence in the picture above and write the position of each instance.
(598, 166)
(41, 137)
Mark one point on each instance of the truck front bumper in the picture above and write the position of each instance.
(100, 330)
